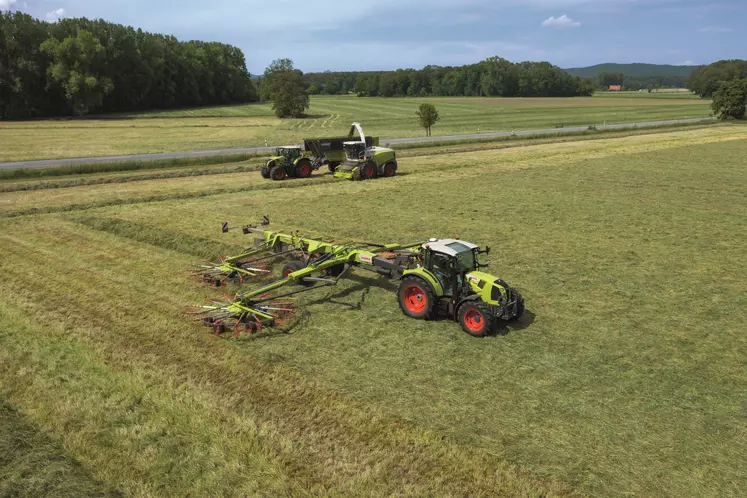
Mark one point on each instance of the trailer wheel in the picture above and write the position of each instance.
(278, 173)
(303, 168)
(476, 319)
(416, 298)
(390, 170)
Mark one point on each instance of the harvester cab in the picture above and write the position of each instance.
(448, 282)
(289, 161)
(363, 162)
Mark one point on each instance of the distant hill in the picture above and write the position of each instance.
(632, 70)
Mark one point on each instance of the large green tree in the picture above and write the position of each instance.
(77, 66)
(730, 100)
(284, 86)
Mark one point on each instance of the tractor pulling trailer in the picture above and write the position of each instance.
(437, 278)
(345, 157)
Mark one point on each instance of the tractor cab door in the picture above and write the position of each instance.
(442, 266)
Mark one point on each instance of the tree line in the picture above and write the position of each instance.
(493, 77)
(706, 80)
(76, 66)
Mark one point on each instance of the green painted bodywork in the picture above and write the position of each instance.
(476, 277)
(350, 169)
(428, 277)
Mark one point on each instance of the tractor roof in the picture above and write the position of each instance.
(354, 142)
(452, 247)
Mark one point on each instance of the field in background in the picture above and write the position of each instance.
(253, 125)
(625, 377)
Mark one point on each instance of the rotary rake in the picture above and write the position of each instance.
(438, 278)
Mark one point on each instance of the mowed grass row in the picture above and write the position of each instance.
(418, 165)
(625, 377)
(255, 124)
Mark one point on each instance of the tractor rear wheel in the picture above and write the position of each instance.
(390, 170)
(476, 319)
(367, 171)
(303, 168)
(278, 173)
(294, 266)
(416, 298)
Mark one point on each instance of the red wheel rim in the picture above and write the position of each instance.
(305, 169)
(280, 174)
(368, 171)
(389, 171)
(474, 320)
(287, 273)
(415, 299)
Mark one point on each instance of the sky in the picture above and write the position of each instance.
(331, 35)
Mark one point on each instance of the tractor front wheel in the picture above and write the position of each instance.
(416, 299)
(278, 173)
(475, 319)
(303, 168)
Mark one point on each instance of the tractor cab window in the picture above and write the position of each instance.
(289, 153)
(355, 150)
(465, 258)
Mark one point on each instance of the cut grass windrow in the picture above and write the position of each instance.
(33, 465)
(108, 167)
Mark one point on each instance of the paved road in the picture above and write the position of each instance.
(173, 155)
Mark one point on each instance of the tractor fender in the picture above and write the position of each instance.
(427, 277)
(470, 298)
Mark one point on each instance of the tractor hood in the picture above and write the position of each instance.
(475, 277)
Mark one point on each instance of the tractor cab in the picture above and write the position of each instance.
(354, 151)
(450, 260)
(289, 152)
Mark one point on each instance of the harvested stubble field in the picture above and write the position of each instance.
(625, 377)
(252, 125)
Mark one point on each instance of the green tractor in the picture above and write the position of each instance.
(289, 161)
(363, 162)
(447, 282)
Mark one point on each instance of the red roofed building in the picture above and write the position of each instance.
(615, 88)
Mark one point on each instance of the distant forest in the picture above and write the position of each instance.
(75, 66)
(493, 77)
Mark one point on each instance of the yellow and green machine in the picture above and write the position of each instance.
(437, 278)
(296, 161)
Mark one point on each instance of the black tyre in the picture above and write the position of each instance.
(416, 298)
(332, 167)
(334, 271)
(390, 170)
(293, 267)
(278, 173)
(265, 171)
(368, 171)
(476, 319)
(218, 328)
(303, 168)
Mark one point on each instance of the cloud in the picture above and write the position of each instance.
(715, 29)
(560, 22)
(6, 4)
(55, 14)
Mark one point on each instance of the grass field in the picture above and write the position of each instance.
(252, 125)
(625, 377)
